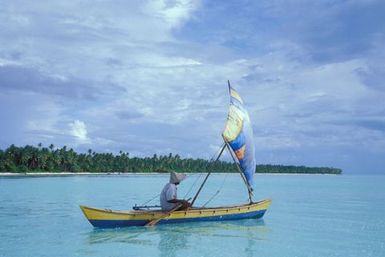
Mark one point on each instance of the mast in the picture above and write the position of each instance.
(249, 189)
(238, 138)
(208, 174)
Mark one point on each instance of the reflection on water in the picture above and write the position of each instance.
(173, 238)
(171, 241)
(119, 235)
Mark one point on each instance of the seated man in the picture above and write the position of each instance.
(168, 197)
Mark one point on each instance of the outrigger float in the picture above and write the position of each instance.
(238, 140)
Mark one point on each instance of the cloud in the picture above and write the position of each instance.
(79, 130)
(150, 76)
(373, 75)
(129, 115)
(27, 79)
(174, 13)
(329, 31)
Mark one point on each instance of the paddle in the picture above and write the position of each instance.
(155, 221)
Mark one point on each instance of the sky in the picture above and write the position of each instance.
(150, 77)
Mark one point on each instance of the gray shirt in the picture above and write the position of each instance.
(168, 193)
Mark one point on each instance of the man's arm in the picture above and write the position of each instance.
(184, 203)
(177, 201)
(172, 198)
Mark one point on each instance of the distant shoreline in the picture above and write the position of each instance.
(63, 162)
(68, 174)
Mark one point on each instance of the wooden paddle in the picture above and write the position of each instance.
(155, 221)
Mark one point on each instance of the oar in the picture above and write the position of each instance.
(154, 222)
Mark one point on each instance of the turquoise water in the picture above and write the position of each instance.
(310, 216)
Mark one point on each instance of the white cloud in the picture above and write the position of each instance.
(79, 130)
(173, 12)
(5, 62)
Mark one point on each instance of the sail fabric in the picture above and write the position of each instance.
(238, 134)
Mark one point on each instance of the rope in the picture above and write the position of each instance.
(151, 199)
(196, 180)
(200, 174)
(217, 192)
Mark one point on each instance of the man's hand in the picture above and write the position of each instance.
(188, 204)
(185, 204)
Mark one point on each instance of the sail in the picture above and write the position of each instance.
(238, 134)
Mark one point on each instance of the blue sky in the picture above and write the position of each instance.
(150, 77)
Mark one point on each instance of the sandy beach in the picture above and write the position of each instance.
(59, 174)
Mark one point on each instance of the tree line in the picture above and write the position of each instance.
(16, 159)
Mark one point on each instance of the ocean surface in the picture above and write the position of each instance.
(311, 215)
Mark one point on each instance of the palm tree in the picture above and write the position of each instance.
(29, 158)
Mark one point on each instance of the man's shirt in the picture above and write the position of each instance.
(168, 193)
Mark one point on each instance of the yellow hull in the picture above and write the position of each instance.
(105, 218)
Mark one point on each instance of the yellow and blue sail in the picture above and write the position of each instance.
(238, 133)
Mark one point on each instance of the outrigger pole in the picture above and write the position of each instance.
(249, 189)
(207, 176)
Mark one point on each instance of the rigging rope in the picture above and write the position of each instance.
(150, 200)
(200, 174)
(217, 192)
(196, 180)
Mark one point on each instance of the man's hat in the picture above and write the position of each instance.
(176, 177)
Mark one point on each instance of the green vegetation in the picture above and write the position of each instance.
(296, 169)
(42, 159)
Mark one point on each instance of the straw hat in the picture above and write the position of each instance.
(176, 177)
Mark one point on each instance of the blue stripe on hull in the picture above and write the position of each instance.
(127, 223)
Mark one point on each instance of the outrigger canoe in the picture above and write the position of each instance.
(239, 141)
(105, 218)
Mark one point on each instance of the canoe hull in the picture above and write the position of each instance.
(104, 218)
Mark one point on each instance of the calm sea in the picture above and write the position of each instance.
(311, 215)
